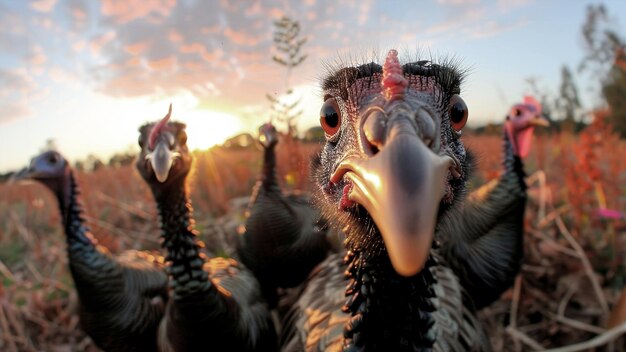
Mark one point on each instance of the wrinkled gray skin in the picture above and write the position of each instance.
(387, 178)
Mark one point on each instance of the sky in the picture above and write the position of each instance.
(87, 74)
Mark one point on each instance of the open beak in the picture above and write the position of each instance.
(161, 160)
(401, 187)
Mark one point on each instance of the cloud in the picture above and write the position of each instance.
(43, 5)
(123, 11)
(492, 28)
(12, 110)
(242, 38)
(97, 43)
(509, 5)
(458, 2)
(60, 75)
(166, 63)
(136, 48)
(37, 56)
(16, 87)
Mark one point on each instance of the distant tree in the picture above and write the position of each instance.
(122, 158)
(568, 102)
(79, 166)
(606, 58)
(93, 163)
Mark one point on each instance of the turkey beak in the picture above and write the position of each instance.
(161, 160)
(539, 120)
(31, 172)
(23, 174)
(401, 187)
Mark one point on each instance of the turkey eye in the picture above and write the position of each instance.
(458, 112)
(517, 112)
(53, 159)
(330, 117)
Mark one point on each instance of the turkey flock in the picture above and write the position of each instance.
(421, 254)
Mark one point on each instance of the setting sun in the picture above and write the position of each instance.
(208, 128)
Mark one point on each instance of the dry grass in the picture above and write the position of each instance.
(553, 304)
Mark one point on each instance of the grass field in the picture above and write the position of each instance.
(573, 274)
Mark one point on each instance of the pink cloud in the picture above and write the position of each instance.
(136, 48)
(37, 56)
(242, 38)
(99, 42)
(134, 62)
(79, 46)
(60, 75)
(79, 14)
(174, 36)
(276, 12)
(16, 90)
(194, 48)
(167, 63)
(128, 10)
(13, 110)
(43, 5)
(200, 49)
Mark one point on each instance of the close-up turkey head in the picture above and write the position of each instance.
(392, 161)
(164, 156)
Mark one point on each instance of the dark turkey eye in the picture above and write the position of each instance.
(330, 117)
(53, 159)
(517, 112)
(458, 112)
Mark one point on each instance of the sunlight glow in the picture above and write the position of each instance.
(208, 128)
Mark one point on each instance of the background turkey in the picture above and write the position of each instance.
(284, 237)
(214, 303)
(483, 237)
(122, 299)
(392, 166)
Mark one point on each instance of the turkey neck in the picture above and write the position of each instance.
(389, 312)
(512, 163)
(92, 268)
(193, 292)
(268, 174)
(71, 209)
(180, 241)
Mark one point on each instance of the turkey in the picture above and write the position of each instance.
(121, 300)
(391, 168)
(284, 237)
(214, 304)
(483, 238)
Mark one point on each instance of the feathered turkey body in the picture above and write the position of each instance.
(391, 168)
(121, 300)
(216, 303)
(282, 241)
(483, 237)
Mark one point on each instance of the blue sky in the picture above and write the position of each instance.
(88, 73)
